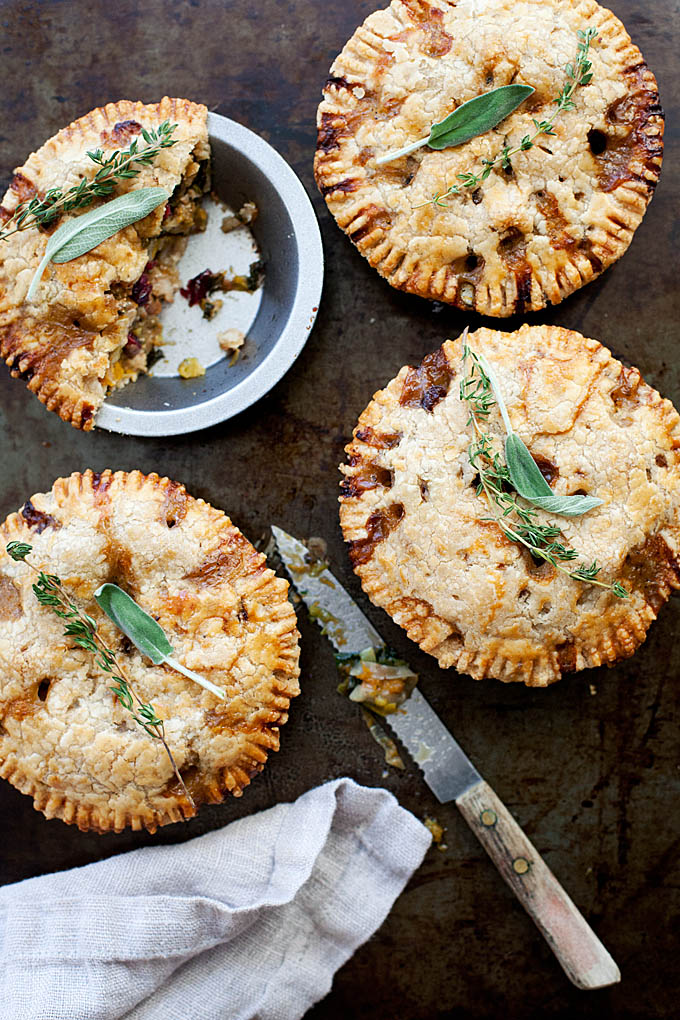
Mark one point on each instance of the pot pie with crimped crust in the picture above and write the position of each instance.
(64, 739)
(421, 538)
(529, 235)
(93, 321)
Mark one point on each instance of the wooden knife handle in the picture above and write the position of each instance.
(582, 956)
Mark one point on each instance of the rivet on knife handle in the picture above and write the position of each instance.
(582, 956)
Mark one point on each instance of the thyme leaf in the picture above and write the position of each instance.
(83, 632)
(577, 73)
(37, 212)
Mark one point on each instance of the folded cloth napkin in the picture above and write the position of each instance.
(249, 921)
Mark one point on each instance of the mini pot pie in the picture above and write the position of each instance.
(93, 321)
(534, 231)
(64, 739)
(427, 551)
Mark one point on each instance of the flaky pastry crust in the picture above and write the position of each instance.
(61, 344)
(528, 236)
(64, 739)
(421, 539)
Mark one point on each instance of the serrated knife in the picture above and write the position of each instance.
(452, 777)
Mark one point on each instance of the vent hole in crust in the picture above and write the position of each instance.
(579, 492)
(477, 196)
(536, 566)
(424, 490)
(597, 140)
(43, 688)
(545, 609)
(660, 460)
(523, 595)
(514, 239)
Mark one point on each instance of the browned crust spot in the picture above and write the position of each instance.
(36, 519)
(429, 383)
(378, 526)
(121, 133)
(379, 440)
(652, 569)
(370, 476)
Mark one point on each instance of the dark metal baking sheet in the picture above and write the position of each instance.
(593, 777)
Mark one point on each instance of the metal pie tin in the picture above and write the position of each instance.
(244, 168)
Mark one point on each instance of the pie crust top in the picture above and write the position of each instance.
(526, 237)
(62, 343)
(421, 539)
(64, 738)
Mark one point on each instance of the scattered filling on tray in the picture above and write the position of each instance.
(376, 678)
(191, 368)
(382, 739)
(437, 830)
(380, 682)
(199, 289)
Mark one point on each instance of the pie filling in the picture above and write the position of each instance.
(140, 303)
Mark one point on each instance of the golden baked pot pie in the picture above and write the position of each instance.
(93, 321)
(432, 549)
(64, 739)
(540, 226)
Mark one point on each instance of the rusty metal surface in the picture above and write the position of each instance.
(589, 766)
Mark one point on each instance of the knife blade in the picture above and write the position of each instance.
(452, 777)
(447, 769)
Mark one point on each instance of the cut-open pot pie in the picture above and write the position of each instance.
(64, 739)
(93, 320)
(422, 538)
(536, 229)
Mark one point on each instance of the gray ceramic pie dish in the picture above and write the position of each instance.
(244, 168)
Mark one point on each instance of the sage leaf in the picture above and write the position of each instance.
(146, 634)
(566, 506)
(477, 116)
(532, 486)
(80, 235)
(522, 468)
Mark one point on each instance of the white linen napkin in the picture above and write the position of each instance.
(249, 922)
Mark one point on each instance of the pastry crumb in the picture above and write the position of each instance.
(231, 339)
(247, 214)
(191, 368)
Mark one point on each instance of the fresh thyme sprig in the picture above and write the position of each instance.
(84, 633)
(578, 73)
(518, 521)
(117, 166)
